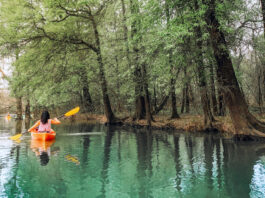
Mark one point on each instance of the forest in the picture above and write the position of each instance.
(138, 59)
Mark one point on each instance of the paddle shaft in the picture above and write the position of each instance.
(60, 116)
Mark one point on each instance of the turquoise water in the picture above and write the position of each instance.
(96, 161)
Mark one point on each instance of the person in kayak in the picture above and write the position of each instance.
(44, 124)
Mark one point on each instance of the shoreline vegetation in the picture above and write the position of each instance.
(187, 123)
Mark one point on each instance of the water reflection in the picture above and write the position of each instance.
(144, 141)
(42, 149)
(132, 163)
(106, 159)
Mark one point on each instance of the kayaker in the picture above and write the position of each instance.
(44, 124)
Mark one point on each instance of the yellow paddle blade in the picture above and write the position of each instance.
(16, 137)
(72, 112)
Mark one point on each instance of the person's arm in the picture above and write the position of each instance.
(55, 121)
(34, 126)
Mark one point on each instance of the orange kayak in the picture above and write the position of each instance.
(35, 135)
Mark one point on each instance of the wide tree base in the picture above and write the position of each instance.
(240, 137)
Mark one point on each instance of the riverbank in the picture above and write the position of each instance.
(187, 123)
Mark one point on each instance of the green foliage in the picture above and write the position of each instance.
(53, 44)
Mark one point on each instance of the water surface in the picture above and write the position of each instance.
(96, 161)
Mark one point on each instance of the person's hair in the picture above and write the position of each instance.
(44, 158)
(45, 116)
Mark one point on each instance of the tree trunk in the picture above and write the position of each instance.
(140, 110)
(118, 84)
(174, 113)
(154, 98)
(104, 87)
(125, 33)
(161, 106)
(263, 13)
(260, 99)
(146, 96)
(213, 95)
(140, 107)
(19, 108)
(259, 77)
(221, 105)
(263, 72)
(208, 117)
(27, 110)
(186, 92)
(183, 103)
(86, 97)
(244, 122)
(187, 98)
(27, 114)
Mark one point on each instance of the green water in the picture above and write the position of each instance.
(114, 162)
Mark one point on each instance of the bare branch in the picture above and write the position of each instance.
(63, 19)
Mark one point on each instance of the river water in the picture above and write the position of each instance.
(91, 160)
